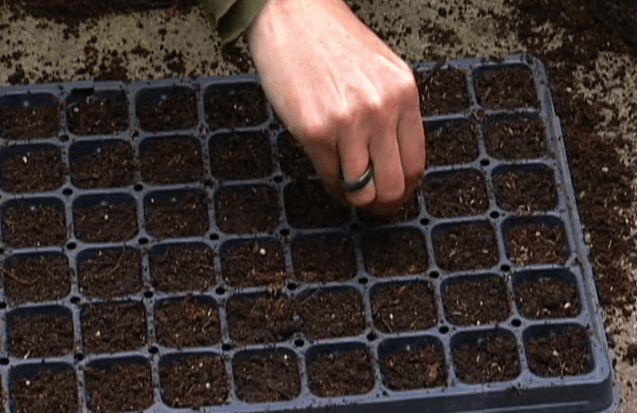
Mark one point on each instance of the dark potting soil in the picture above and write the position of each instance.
(525, 191)
(267, 377)
(515, 139)
(183, 268)
(456, 194)
(547, 297)
(395, 252)
(111, 273)
(454, 143)
(40, 335)
(404, 307)
(326, 314)
(477, 301)
(630, 354)
(33, 171)
(113, 327)
(418, 367)
(42, 225)
(182, 215)
(121, 387)
(43, 122)
(492, 358)
(536, 244)
(565, 353)
(237, 108)
(194, 381)
(36, 278)
(261, 319)
(323, 259)
(250, 209)
(466, 246)
(108, 165)
(174, 113)
(443, 92)
(105, 223)
(188, 322)
(309, 206)
(252, 263)
(171, 160)
(34, 392)
(512, 87)
(93, 115)
(240, 156)
(342, 373)
(293, 160)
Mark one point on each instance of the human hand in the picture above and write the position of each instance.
(345, 95)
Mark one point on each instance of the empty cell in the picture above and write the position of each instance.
(247, 209)
(456, 194)
(442, 91)
(266, 376)
(341, 372)
(110, 273)
(252, 263)
(31, 168)
(453, 142)
(32, 390)
(118, 386)
(536, 242)
(507, 87)
(103, 164)
(486, 357)
(331, 314)
(395, 252)
(187, 322)
(36, 277)
(476, 300)
(261, 319)
(409, 306)
(547, 294)
(515, 138)
(187, 267)
(293, 160)
(323, 258)
(34, 223)
(193, 381)
(177, 214)
(307, 205)
(171, 160)
(113, 327)
(41, 332)
(558, 351)
(100, 113)
(31, 116)
(525, 190)
(168, 109)
(235, 106)
(240, 156)
(465, 246)
(109, 218)
(414, 364)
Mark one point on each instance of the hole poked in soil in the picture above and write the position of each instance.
(410, 364)
(323, 258)
(406, 306)
(515, 138)
(547, 294)
(331, 313)
(442, 91)
(240, 156)
(293, 160)
(269, 376)
(119, 386)
(456, 194)
(105, 218)
(193, 380)
(34, 223)
(309, 206)
(261, 318)
(176, 214)
(103, 164)
(36, 277)
(253, 263)
(451, 142)
(247, 209)
(525, 189)
(343, 371)
(511, 86)
(476, 300)
(41, 332)
(187, 322)
(558, 351)
(536, 242)
(182, 267)
(99, 113)
(40, 108)
(234, 106)
(31, 168)
(44, 388)
(395, 252)
(465, 246)
(167, 109)
(171, 160)
(113, 327)
(485, 357)
(110, 273)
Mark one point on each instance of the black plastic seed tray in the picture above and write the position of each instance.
(165, 261)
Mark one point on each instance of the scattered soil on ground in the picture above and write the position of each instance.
(252, 263)
(96, 115)
(515, 139)
(33, 171)
(119, 387)
(442, 92)
(34, 392)
(183, 268)
(511, 87)
(323, 258)
(194, 381)
(45, 122)
(106, 223)
(171, 160)
(250, 209)
(309, 206)
(175, 113)
(491, 358)
(417, 367)
(36, 278)
(536, 244)
(395, 252)
(456, 194)
(466, 246)
(563, 354)
(477, 301)
(341, 373)
(113, 327)
(547, 297)
(237, 108)
(404, 307)
(105, 165)
(188, 322)
(330, 314)
(267, 377)
(110, 273)
(36, 335)
(454, 143)
(240, 156)
(630, 355)
(180, 215)
(524, 191)
(42, 225)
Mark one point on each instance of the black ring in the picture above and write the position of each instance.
(360, 183)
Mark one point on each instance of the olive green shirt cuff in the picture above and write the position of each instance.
(231, 17)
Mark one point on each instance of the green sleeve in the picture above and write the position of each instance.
(231, 17)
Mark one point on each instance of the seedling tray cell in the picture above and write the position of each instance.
(166, 246)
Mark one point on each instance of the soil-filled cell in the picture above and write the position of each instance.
(442, 91)
(536, 243)
(34, 225)
(414, 367)
(42, 122)
(330, 314)
(404, 307)
(183, 214)
(309, 206)
(108, 164)
(511, 87)
(466, 246)
(171, 160)
(477, 300)
(51, 389)
(515, 139)
(173, 111)
(261, 319)
(110, 273)
(187, 322)
(36, 169)
(98, 115)
(194, 381)
(323, 258)
(253, 263)
(395, 252)
(293, 160)
(341, 373)
(524, 191)
(113, 221)
(456, 194)
(547, 297)
(36, 278)
(489, 358)
(40, 334)
(235, 108)
(560, 353)
(183, 268)
(250, 209)
(119, 387)
(240, 156)
(453, 143)
(113, 327)
(269, 377)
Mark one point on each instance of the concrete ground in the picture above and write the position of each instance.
(47, 50)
